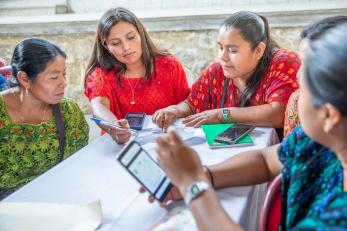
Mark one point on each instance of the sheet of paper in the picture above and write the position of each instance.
(47, 216)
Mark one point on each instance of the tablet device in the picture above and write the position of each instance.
(135, 119)
(233, 134)
(145, 170)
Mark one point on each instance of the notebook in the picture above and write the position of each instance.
(212, 130)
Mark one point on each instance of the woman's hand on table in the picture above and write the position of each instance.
(205, 117)
(164, 117)
(180, 162)
(120, 135)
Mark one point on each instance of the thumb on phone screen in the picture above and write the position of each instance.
(124, 123)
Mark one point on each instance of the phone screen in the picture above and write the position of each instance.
(135, 119)
(145, 170)
(234, 133)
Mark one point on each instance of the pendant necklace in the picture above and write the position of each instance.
(132, 102)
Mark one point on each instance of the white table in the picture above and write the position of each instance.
(93, 173)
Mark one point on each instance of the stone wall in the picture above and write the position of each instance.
(195, 49)
(188, 29)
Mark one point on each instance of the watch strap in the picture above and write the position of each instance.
(225, 114)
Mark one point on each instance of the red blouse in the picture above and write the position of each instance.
(169, 87)
(276, 85)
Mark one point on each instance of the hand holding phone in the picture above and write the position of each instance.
(145, 170)
(233, 134)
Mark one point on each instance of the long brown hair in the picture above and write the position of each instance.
(254, 29)
(102, 58)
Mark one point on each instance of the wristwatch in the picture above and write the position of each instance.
(226, 113)
(194, 190)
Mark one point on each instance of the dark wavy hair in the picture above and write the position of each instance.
(315, 30)
(325, 68)
(102, 58)
(32, 56)
(254, 29)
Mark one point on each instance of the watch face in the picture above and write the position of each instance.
(225, 112)
(195, 189)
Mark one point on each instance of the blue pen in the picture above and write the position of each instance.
(103, 122)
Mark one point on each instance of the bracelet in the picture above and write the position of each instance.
(209, 175)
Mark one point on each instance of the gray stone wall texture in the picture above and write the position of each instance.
(195, 50)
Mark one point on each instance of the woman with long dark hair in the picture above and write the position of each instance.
(251, 82)
(128, 73)
(35, 116)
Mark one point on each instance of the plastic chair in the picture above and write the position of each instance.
(270, 218)
(6, 71)
(2, 62)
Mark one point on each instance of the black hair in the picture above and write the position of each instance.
(254, 29)
(32, 56)
(326, 70)
(102, 58)
(315, 30)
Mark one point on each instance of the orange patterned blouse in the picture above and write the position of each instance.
(291, 116)
(276, 85)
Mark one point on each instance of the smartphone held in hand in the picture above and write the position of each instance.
(145, 170)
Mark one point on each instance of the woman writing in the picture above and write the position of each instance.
(34, 114)
(128, 73)
(250, 83)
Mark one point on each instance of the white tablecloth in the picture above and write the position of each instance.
(93, 173)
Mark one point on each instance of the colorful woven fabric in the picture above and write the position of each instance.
(291, 116)
(28, 150)
(312, 185)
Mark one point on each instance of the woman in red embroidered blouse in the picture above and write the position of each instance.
(250, 83)
(127, 73)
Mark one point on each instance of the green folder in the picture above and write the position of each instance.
(212, 130)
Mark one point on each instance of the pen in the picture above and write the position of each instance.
(103, 122)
